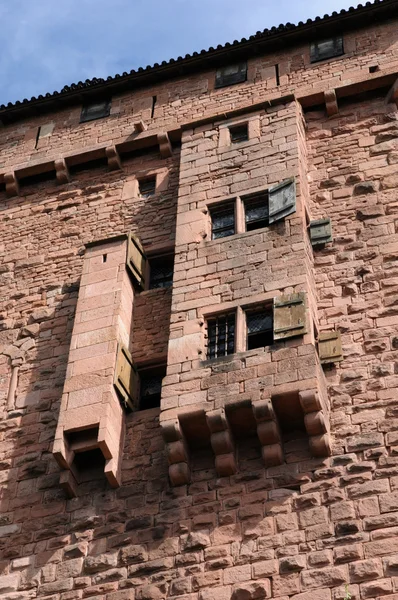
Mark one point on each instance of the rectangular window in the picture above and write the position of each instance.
(161, 272)
(259, 326)
(324, 49)
(231, 74)
(221, 336)
(147, 187)
(256, 211)
(223, 220)
(151, 386)
(95, 110)
(239, 133)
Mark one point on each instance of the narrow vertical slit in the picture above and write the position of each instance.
(154, 98)
(278, 81)
(104, 257)
(37, 137)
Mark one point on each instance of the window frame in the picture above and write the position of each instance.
(225, 80)
(266, 309)
(160, 257)
(338, 48)
(255, 198)
(221, 207)
(157, 371)
(145, 180)
(230, 314)
(237, 128)
(84, 114)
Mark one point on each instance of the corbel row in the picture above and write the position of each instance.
(268, 431)
(61, 168)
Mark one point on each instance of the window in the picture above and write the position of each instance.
(223, 220)
(259, 325)
(231, 75)
(239, 133)
(95, 110)
(324, 49)
(256, 211)
(151, 386)
(221, 336)
(161, 272)
(147, 187)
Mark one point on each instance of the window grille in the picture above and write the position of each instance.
(221, 336)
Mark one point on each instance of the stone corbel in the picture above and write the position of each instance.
(164, 145)
(392, 96)
(177, 452)
(61, 171)
(140, 126)
(316, 423)
(332, 107)
(268, 433)
(221, 440)
(12, 185)
(114, 162)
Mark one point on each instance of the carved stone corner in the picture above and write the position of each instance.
(268, 432)
(177, 452)
(316, 422)
(222, 442)
(114, 162)
(61, 171)
(164, 145)
(332, 107)
(12, 185)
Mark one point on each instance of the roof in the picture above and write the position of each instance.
(263, 41)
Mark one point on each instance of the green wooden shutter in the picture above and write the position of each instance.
(320, 232)
(282, 200)
(126, 378)
(289, 316)
(136, 260)
(329, 347)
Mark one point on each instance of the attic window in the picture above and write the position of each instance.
(324, 49)
(231, 74)
(147, 187)
(95, 110)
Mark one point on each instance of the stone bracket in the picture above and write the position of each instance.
(222, 442)
(12, 185)
(332, 107)
(392, 96)
(139, 127)
(114, 162)
(316, 422)
(164, 145)
(61, 171)
(177, 452)
(268, 433)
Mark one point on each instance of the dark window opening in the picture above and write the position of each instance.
(223, 221)
(95, 110)
(259, 328)
(277, 76)
(151, 386)
(161, 271)
(256, 211)
(374, 69)
(290, 416)
(154, 99)
(104, 258)
(221, 336)
(89, 465)
(2, 186)
(231, 75)
(239, 133)
(324, 49)
(96, 163)
(37, 136)
(147, 187)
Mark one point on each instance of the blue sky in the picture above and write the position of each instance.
(47, 44)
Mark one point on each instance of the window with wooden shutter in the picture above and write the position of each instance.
(329, 347)
(282, 200)
(136, 261)
(151, 380)
(289, 316)
(320, 232)
(125, 379)
(95, 110)
(231, 74)
(329, 48)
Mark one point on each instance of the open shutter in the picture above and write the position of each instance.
(320, 232)
(289, 316)
(126, 378)
(282, 200)
(136, 260)
(329, 347)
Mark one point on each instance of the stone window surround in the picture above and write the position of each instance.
(253, 130)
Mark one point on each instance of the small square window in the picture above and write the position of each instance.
(239, 133)
(260, 327)
(161, 272)
(221, 336)
(95, 110)
(151, 386)
(230, 75)
(256, 211)
(223, 220)
(324, 49)
(147, 187)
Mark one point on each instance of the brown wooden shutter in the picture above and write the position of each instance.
(289, 316)
(320, 232)
(282, 200)
(126, 378)
(136, 260)
(329, 347)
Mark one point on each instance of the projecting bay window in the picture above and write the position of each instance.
(221, 335)
(253, 211)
